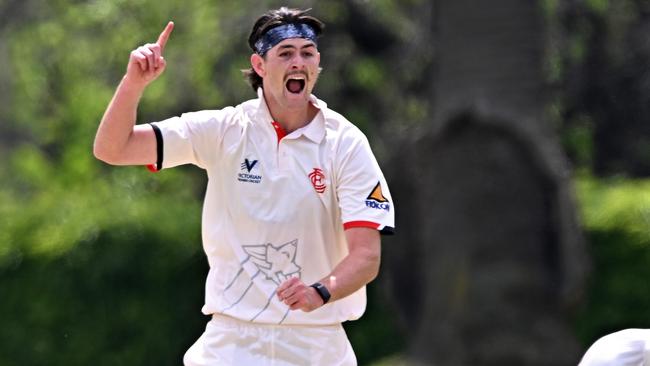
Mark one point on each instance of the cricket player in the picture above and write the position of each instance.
(295, 201)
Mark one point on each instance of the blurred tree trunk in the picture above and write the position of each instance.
(489, 257)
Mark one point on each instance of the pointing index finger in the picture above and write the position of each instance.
(164, 36)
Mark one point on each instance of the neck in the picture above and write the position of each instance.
(292, 118)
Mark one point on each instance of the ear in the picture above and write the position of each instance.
(318, 63)
(257, 62)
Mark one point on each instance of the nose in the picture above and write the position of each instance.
(297, 62)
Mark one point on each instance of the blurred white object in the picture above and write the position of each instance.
(629, 347)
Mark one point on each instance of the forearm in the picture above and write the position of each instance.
(118, 121)
(357, 269)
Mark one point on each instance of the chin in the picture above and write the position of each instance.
(296, 100)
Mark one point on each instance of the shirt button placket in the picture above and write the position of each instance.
(282, 156)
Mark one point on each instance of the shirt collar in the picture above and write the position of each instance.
(314, 130)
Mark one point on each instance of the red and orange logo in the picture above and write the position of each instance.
(317, 179)
(377, 200)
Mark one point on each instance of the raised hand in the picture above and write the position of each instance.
(146, 62)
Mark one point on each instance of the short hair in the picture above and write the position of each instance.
(270, 20)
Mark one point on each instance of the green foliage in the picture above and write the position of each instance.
(124, 297)
(98, 265)
(598, 6)
(578, 140)
(616, 214)
(550, 8)
(367, 74)
(617, 204)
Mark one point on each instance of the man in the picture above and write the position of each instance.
(628, 347)
(294, 205)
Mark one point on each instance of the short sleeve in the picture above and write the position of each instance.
(192, 138)
(362, 191)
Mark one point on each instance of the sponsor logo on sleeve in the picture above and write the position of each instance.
(377, 200)
(248, 176)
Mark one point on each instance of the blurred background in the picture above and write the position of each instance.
(514, 136)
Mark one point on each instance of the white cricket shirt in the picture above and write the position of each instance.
(276, 206)
(628, 347)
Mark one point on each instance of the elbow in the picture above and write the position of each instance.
(97, 152)
(103, 154)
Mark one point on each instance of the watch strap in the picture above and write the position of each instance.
(322, 291)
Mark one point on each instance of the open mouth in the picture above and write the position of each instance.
(295, 85)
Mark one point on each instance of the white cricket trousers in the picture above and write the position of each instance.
(231, 342)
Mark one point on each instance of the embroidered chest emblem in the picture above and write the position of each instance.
(248, 164)
(317, 179)
(248, 172)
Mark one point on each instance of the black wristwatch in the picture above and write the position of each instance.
(322, 292)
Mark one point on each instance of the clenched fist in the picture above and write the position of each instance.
(298, 296)
(146, 62)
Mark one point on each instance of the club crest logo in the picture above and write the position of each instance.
(317, 179)
(247, 166)
(377, 200)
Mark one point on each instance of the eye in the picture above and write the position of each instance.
(284, 54)
(307, 54)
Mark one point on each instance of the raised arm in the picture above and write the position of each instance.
(119, 141)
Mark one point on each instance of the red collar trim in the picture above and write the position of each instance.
(279, 130)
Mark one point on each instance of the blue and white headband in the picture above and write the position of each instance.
(285, 31)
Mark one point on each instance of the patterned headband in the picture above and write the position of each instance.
(280, 33)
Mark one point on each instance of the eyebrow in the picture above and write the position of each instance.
(292, 46)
